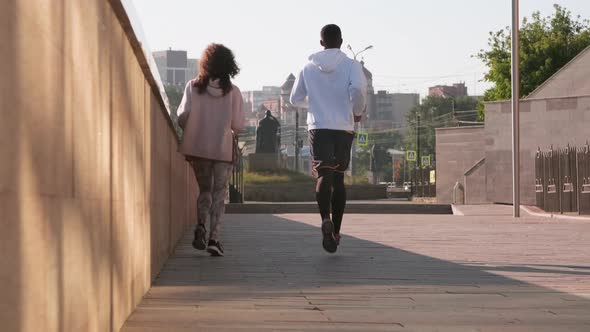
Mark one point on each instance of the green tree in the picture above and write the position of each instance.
(546, 45)
(382, 141)
(174, 93)
(436, 112)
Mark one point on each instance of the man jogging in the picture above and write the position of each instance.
(335, 86)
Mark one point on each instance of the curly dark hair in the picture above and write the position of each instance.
(217, 62)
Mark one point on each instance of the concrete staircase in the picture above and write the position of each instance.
(356, 207)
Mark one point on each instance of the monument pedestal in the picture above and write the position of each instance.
(263, 162)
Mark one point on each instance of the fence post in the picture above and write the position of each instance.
(583, 170)
(539, 183)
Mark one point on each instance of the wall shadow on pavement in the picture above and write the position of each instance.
(273, 255)
(275, 271)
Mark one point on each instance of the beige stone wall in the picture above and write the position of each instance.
(475, 186)
(93, 196)
(457, 150)
(544, 122)
(571, 80)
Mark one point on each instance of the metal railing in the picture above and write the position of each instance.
(422, 183)
(236, 186)
(562, 179)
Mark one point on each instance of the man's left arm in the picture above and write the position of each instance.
(358, 89)
(299, 91)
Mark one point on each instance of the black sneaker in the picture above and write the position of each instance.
(328, 241)
(215, 248)
(200, 242)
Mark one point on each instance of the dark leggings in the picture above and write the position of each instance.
(330, 191)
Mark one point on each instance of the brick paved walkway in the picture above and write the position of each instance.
(392, 273)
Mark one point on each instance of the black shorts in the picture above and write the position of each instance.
(330, 150)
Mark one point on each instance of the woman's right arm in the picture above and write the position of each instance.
(238, 121)
(184, 108)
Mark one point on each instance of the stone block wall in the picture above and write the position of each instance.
(457, 150)
(93, 196)
(544, 122)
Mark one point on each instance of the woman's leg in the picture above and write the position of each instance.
(204, 173)
(221, 175)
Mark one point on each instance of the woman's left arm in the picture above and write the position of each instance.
(185, 106)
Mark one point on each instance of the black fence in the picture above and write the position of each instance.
(562, 180)
(423, 184)
(236, 185)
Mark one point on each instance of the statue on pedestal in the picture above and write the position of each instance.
(268, 138)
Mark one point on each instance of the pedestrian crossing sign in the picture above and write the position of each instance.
(411, 155)
(362, 139)
(425, 161)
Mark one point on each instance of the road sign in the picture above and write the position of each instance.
(425, 161)
(362, 139)
(432, 177)
(410, 155)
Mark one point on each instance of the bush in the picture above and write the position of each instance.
(279, 176)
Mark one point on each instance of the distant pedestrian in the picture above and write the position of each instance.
(210, 113)
(335, 86)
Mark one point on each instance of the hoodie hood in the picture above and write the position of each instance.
(328, 60)
(214, 89)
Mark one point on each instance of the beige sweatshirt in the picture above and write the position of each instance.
(208, 120)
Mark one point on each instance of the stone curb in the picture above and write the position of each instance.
(531, 211)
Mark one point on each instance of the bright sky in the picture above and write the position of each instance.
(417, 43)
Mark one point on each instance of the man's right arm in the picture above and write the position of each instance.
(357, 89)
(299, 91)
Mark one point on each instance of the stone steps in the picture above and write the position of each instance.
(351, 207)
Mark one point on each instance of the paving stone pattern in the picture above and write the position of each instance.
(391, 273)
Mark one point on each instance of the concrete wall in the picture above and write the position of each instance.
(571, 80)
(457, 150)
(93, 196)
(305, 192)
(475, 186)
(544, 122)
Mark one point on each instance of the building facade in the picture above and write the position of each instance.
(391, 109)
(371, 103)
(447, 91)
(387, 110)
(254, 99)
(175, 67)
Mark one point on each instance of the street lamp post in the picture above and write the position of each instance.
(353, 149)
(297, 152)
(404, 176)
(515, 110)
(418, 160)
(297, 139)
(356, 54)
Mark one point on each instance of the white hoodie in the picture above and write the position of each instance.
(336, 88)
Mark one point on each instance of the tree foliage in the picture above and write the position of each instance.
(383, 141)
(546, 45)
(174, 93)
(436, 112)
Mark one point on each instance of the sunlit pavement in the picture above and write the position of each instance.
(481, 272)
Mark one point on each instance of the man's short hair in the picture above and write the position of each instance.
(331, 35)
